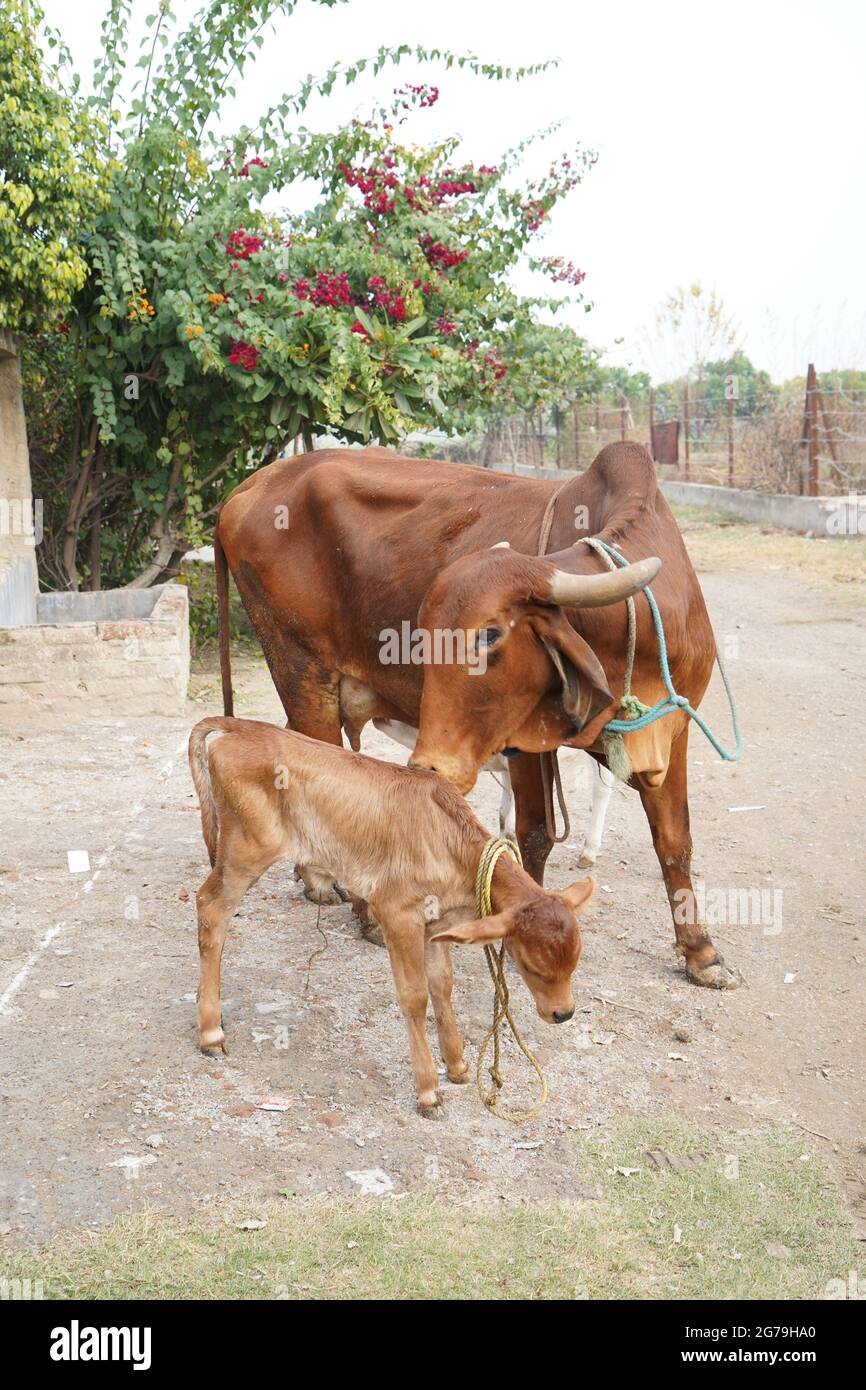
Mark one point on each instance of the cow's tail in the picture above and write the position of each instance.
(223, 622)
(200, 769)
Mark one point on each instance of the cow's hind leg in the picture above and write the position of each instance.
(440, 978)
(667, 810)
(310, 696)
(216, 900)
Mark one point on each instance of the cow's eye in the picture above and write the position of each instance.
(488, 635)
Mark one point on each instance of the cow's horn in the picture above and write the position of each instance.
(501, 545)
(598, 590)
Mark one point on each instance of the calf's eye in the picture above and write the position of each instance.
(488, 635)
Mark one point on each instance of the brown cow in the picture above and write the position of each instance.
(334, 550)
(402, 838)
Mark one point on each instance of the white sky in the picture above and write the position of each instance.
(731, 141)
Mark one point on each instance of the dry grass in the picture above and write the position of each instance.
(750, 1217)
(718, 540)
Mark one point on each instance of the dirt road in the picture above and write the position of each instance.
(107, 1104)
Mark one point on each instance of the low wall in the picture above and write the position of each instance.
(821, 516)
(120, 653)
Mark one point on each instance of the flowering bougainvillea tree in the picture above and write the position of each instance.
(220, 319)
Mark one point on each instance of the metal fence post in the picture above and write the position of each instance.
(686, 424)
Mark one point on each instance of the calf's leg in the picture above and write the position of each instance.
(404, 937)
(216, 900)
(440, 978)
(667, 810)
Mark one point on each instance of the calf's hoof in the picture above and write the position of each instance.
(370, 928)
(459, 1075)
(586, 860)
(211, 1039)
(713, 974)
(430, 1105)
(330, 896)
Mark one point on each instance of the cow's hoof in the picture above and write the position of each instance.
(586, 860)
(458, 1076)
(430, 1105)
(713, 975)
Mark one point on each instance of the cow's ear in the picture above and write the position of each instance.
(584, 685)
(479, 932)
(578, 894)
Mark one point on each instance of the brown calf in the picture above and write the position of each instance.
(401, 838)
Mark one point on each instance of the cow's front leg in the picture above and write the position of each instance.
(404, 937)
(602, 786)
(440, 978)
(667, 810)
(530, 816)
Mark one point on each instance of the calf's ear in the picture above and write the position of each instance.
(578, 894)
(479, 932)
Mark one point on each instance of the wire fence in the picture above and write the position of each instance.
(812, 441)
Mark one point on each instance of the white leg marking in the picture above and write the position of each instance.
(602, 786)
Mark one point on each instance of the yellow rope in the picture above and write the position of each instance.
(496, 965)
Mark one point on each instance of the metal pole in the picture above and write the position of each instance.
(730, 441)
(812, 428)
(686, 424)
(576, 417)
(623, 407)
(651, 422)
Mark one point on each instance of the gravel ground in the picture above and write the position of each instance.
(107, 1104)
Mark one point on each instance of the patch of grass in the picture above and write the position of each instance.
(697, 1232)
(834, 565)
(756, 1216)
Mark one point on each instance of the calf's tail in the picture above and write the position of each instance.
(223, 624)
(200, 769)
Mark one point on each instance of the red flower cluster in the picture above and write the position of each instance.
(359, 328)
(243, 354)
(490, 367)
(495, 366)
(244, 171)
(330, 291)
(383, 298)
(562, 271)
(443, 325)
(535, 213)
(422, 94)
(440, 256)
(241, 246)
(377, 185)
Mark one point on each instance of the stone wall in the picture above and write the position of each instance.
(118, 653)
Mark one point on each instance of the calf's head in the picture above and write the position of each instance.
(542, 937)
(529, 680)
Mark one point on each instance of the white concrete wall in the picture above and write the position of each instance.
(821, 516)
